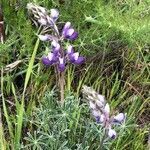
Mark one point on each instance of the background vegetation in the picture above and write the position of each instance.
(114, 35)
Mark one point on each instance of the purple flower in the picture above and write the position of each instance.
(68, 32)
(76, 59)
(61, 65)
(55, 47)
(50, 59)
(46, 61)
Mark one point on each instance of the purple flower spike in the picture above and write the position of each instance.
(61, 65)
(54, 14)
(112, 133)
(68, 32)
(119, 118)
(46, 61)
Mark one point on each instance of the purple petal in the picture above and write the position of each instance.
(73, 36)
(61, 67)
(79, 61)
(68, 32)
(72, 58)
(119, 118)
(97, 118)
(46, 61)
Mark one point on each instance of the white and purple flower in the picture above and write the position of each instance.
(68, 32)
(50, 59)
(103, 117)
(76, 59)
(55, 47)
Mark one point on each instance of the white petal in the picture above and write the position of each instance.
(43, 37)
(101, 98)
(119, 118)
(50, 56)
(42, 21)
(102, 118)
(107, 108)
(55, 44)
(99, 104)
(70, 32)
(67, 25)
(54, 13)
(76, 55)
(50, 20)
(112, 133)
(96, 113)
(69, 49)
(61, 60)
(92, 105)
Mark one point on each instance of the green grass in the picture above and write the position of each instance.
(114, 36)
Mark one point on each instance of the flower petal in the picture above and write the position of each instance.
(112, 133)
(79, 61)
(101, 98)
(43, 37)
(54, 14)
(92, 105)
(70, 50)
(42, 21)
(46, 61)
(74, 36)
(119, 118)
(96, 113)
(55, 47)
(61, 65)
(107, 109)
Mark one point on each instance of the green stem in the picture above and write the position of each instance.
(102, 140)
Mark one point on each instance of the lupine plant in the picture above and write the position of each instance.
(57, 55)
(101, 112)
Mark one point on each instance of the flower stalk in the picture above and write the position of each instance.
(101, 112)
(57, 56)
